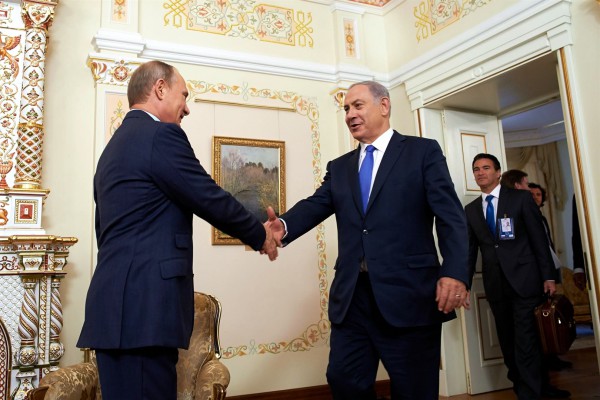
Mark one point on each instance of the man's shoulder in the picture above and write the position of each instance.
(475, 203)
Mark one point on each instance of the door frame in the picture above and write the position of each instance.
(519, 34)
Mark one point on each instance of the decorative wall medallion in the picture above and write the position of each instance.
(120, 72)
(115, 113)
(5, 12)
(434, 15)
(9, 263)
(26, 211)
(242, 19)
(350, 38)
(37, 15)
(8, 43)
(112, 72)
(119, 10)
(4, 202)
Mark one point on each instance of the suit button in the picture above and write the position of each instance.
(496, 246)
(365, 232)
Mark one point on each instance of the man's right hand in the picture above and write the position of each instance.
(270, 246)
(275, 225)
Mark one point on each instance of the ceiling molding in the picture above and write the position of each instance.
(454, 64)
(521, 32)
(134, 44)
(535, 137)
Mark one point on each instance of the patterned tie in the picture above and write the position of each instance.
(365, 175)
(489, 214)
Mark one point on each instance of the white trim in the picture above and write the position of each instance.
(171, 52)
(529, 29)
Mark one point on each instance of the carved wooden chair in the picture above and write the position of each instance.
(200, 374)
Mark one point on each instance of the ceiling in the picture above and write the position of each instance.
(525, 98)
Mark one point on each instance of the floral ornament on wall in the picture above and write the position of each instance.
(434, 15)
(242, 19)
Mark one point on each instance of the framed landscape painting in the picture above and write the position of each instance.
(253, 171)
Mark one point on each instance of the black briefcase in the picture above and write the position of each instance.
(556, 325)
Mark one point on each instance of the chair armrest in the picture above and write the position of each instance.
(212, 381)
(74, 382)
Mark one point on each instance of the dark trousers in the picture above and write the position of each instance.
(146, 373)
(519, 341)
(411, 355)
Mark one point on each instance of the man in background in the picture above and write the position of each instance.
(515, 179)
(147, 188)
(505, 225)
(390, 294)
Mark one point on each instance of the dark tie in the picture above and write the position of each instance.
(364, 175)
(489, 214)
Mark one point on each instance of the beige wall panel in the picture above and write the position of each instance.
(401, 25)
(68, 163)
(402, 118)
(375, 54)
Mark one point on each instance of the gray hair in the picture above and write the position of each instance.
(144, 77)
(378, 91)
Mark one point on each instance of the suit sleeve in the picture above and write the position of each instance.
(450, 221)
(178, 172)
(308, 213)
(473, 250)
(538, 238)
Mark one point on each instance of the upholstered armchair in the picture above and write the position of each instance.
(200, 374)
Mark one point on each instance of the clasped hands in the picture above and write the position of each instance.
(275, 230)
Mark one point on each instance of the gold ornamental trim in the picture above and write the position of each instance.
(588, 225)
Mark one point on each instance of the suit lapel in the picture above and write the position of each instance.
(353, 178)
(391, 155)
(503, 200)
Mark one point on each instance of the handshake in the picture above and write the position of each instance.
(275, 232)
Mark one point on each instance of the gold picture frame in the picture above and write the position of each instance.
(253, 171)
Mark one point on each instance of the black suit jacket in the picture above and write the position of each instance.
(525, 260)
(147, 187)
(412, 188)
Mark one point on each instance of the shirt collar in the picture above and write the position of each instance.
(154, 117)
(495, 193)
(381, 142)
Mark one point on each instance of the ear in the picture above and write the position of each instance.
(384, 106)
(160, 89)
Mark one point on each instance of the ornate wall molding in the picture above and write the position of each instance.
(524, 31)
(317, 333)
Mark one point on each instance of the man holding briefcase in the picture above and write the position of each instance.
(506, 226)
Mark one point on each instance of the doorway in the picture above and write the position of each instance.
(526, 106)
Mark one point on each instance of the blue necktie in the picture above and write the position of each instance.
(489, 214)
(364, 175)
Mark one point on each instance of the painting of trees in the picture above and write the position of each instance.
(252, 171)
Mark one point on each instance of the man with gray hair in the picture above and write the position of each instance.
(390, 293)
(148, 186)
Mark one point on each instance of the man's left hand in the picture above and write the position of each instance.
(550, 287)
(450, 294)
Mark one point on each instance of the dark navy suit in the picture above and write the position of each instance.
(147, 187)
(514, 272)
(412, 189)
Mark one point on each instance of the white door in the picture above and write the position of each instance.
(463, 135)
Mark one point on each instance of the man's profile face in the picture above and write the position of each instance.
(486, 176)
(175, 100)
(366, 117)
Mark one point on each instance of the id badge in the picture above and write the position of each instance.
(507, 231)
